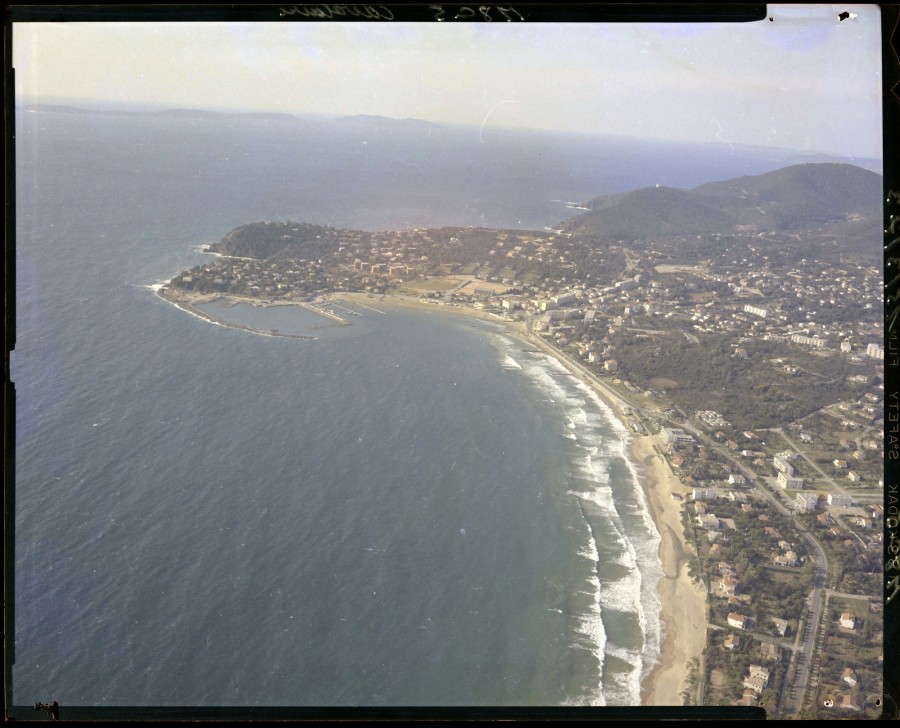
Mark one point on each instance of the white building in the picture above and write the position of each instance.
(813, 341)
(756, 311)
(677, 436)
(789, 483)
(807, 501)
(782, 465)
(789, 558)
(839, 499)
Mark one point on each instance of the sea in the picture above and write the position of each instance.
(415, 510)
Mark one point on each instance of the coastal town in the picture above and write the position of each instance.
(754, 372)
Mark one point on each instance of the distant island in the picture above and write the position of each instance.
(736, 330)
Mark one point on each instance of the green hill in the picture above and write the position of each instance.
(800, 197)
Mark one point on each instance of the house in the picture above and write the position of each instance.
(756, 684)
(849, 676)
(773, 532)
(786, 559)
(729, 585)
(781, 625)
(732, 642)
(760, 672)
(839, 463)
(757, 679)
(854, 476)
(736, 479)
(704, 494)
(709, 520)
(738, 621)
(848, 620)
(839, 499)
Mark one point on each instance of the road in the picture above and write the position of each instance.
(790, 700)
(797, 678)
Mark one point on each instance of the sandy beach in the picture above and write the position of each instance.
(683, 601)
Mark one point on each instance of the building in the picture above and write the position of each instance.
(839, 499)
(786, 559)
(564, 299)
(738, 621)
(782, 465)
(729, 585)
(876, 351)
(789, 483)
(675, 436)
(736, 479)
(732, 642)
(704, 494)
(813, 341)
(757, 679)
(807, 501)
(756, 310)
(781, 626)
(848, 620)
(849, 676)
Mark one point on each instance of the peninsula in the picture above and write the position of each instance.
(736, 331)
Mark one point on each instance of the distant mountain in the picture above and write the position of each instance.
(192, 114)
(799, 197)
(174, 113)
(368, 120)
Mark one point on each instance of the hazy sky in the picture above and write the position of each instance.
(804, 80)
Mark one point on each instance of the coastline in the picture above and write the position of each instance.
(683, 604)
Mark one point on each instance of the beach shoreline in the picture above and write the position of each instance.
(683, 603)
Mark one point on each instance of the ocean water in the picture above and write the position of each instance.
(413, 510)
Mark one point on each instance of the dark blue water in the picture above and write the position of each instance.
(408, 511)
